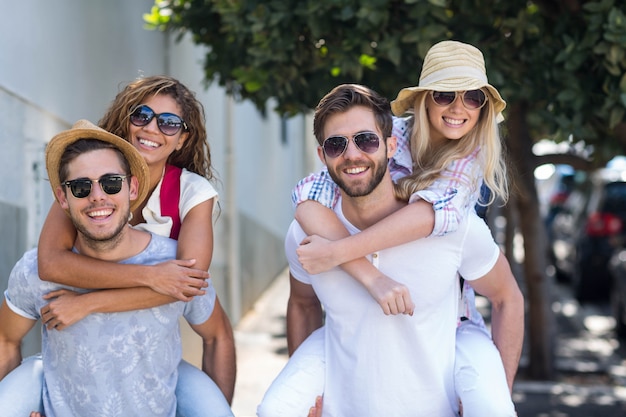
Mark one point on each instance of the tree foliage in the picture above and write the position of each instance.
(561, 66)
(565, 59)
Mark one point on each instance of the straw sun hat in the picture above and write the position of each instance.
(84, 129)
(450, 66)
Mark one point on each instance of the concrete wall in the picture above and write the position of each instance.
(65, 60)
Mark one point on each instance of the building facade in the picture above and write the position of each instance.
(65, 60)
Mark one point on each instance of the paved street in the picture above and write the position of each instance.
(590, 362)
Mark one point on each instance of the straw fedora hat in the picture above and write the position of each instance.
(450, 66)
(84, 129)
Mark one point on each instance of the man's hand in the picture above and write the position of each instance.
(178, 279)
(65, 309)
(316, 410)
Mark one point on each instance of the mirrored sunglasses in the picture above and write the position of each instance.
(110, 184)
(169, 124)
(472, 99)
(335, 146)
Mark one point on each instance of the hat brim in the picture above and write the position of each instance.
(84, 129)
(406, 97)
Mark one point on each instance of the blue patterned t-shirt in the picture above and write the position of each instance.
(110, 364)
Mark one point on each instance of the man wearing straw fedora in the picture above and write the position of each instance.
(107, 363)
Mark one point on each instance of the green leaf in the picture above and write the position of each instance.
(368, 61)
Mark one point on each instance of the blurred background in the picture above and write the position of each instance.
(259, 67)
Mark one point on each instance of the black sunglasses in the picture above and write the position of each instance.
(110, 184)
(169, 124)
(472, 99)
(335, 146)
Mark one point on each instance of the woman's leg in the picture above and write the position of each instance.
(294, 390)
(21, 390)
(197, 394)
(479, 374)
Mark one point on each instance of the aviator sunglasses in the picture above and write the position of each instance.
(335, 146)
(472, 99)
(110, 184)
(169, 124)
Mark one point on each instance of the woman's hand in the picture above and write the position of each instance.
(316, 410)
(316, 254)
(65, 309)
(178, 279)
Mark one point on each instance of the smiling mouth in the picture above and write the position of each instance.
(100, 213)
(149, 143)
(455, 122)
(355, 170)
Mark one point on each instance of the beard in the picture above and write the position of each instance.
(360, 188)
(101, 239)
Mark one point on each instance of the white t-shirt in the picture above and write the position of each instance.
(378, 365)
(194, 189)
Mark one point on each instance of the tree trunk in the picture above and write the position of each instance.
(540, 320)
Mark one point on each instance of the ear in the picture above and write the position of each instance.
(321, 155)
(181, 140)
(134, 188)
(392, 146)
(62, 198)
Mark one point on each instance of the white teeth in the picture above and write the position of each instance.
(101, 213)
(453, 121)
(355, 170)
(148, 143)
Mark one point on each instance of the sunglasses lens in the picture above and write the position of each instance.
(169, 124)
(367, 142)
(111, 184)
(80, 188)
(334, 146)
(474, 99)
(141, 116)
(444, 98)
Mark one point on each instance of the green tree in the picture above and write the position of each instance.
(559, 64)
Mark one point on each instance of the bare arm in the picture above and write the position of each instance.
(314, 218)
(507, 323)
(13, 328)
(304, 313)
(57, 263)
(412, 222)
(218, 353)
(68, 307)
(195, 242)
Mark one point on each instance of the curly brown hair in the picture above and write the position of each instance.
(195, 154)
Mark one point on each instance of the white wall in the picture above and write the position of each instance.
(64, 60)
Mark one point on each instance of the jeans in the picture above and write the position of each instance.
(480, 381)
(294, 390)
(197, 395)
(20, 390)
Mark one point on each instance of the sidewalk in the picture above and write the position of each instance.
(261, 347)
(591, 365)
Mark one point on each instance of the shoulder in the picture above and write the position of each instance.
(159, 249)
(192, 182)
(26, 265)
